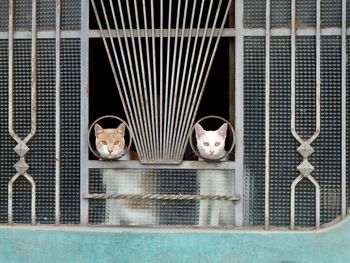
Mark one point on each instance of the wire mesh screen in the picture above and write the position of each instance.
(41, 157)
(143, 211)
(70, 131)
(284, 157)
(46, 14)
(254, 13)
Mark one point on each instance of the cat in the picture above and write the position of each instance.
(110, 144)
(211, 146)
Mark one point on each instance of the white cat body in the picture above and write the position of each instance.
(211, 146)
(110, 144)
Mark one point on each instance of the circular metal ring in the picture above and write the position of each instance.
(233, 139)
(126, 149)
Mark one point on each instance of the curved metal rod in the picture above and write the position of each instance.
(318, 72)
(10, 197)
(292, 201)
(33, 106)
(318, 106)
(317, 200)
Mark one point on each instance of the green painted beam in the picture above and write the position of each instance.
(74, 244)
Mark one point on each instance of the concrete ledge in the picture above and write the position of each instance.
(79, 244)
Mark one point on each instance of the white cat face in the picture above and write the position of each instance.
(211, 144)
(110, 143)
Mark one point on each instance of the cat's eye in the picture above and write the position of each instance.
(116, 142)
(217, 144)
(206, 143)
(104, 142)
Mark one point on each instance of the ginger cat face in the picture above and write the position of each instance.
(211, 144)
(110, 143)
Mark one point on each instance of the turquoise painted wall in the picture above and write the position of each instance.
(58, 244)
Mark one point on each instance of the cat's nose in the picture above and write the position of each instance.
(211, 152)
(110, 150)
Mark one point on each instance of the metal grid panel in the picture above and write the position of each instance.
(7, 155)
(46, 16)
(41, 166)
(71, 14)
(70, 131)
(160, 212)
(42, 147)
(327, 156)
(283, 170)
(254, 13)
(254, 137)
(284, 157)
(22, 14)
(4, 16)
(42, 153)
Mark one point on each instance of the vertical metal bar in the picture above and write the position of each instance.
(193, 88)
(197, 97)
(183, 95)
(156, 139)
(293, 50)
(178, 97)
(58, 113)
(154, 126)
(33, 74)
(267, 116)
(293, 130)
(343, 116)
(125, 97)
(187, 99)
(149, 131)
(318, 102)
(10, 106)
(167, 81)
(161, 81)
(10, 80)
(239, 111)
(173, 69)
(132, 89)
(138, 91)
(84, 108)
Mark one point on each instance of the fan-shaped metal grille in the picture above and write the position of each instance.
(161, 53)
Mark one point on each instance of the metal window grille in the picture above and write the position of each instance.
(40, 86)
(287, 53)
(295, 80)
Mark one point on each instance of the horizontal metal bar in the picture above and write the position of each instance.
(235, 197)
(231, 32)
(227, 32)
(42, 34)
(194, 165)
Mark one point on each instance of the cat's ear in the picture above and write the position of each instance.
(121, 129)
(98, 129)
(222, 130)
(199, 130)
